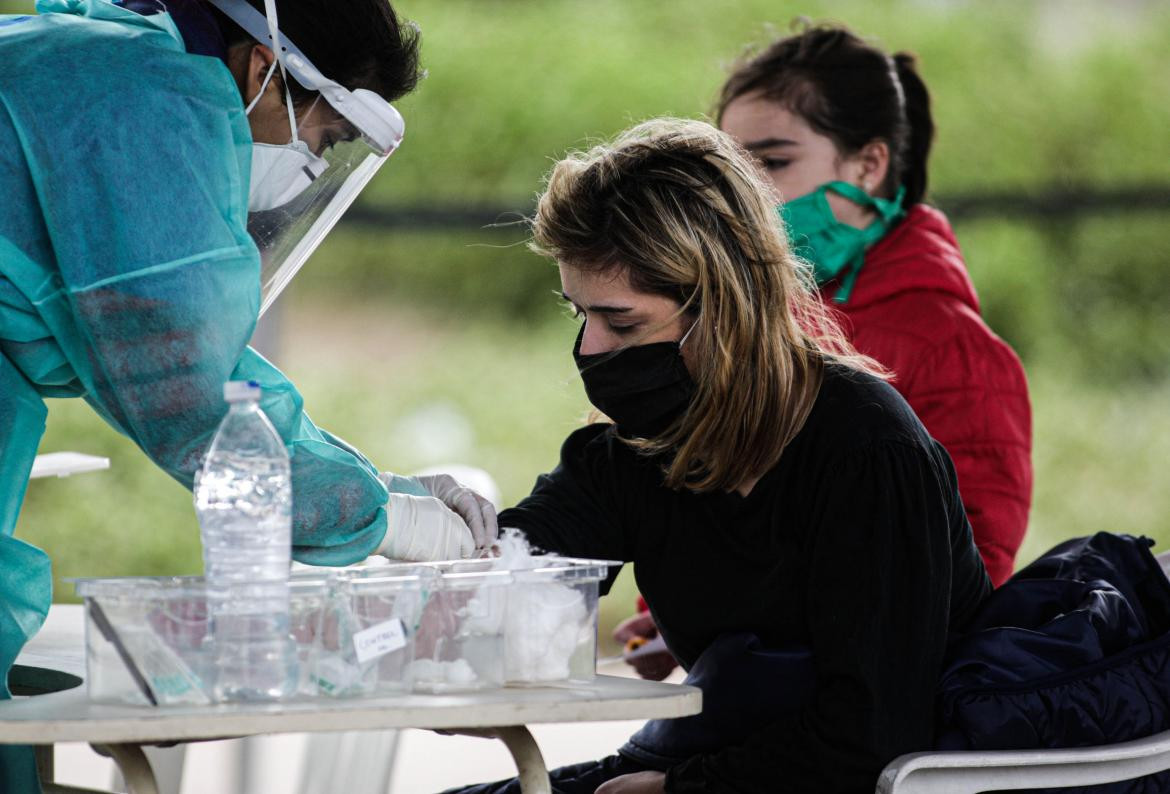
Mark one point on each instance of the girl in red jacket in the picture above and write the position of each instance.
(844, 131)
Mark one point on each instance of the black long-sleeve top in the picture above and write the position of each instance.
(854, 544)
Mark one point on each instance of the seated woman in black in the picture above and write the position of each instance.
(762, 477)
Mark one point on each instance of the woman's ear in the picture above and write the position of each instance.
(872, 163)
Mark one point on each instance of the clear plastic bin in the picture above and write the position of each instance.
(144, 640)
(460, 642)
(365, 637)
(484, 627)
(551, 625)
(354, 633)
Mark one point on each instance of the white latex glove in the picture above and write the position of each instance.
(423, 529)
(476, 510)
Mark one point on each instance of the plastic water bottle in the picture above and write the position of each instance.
(243, 497)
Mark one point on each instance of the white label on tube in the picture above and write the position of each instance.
(379, 640)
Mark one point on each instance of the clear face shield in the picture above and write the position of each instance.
(301, 189)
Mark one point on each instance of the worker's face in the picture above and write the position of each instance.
(318, 124)
(797, 159)
(616, 315)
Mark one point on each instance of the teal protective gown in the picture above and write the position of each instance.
(127, 277)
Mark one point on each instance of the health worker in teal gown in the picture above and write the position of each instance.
(163, 174)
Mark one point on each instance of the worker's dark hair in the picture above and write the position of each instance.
(358, 43)
(849, 90)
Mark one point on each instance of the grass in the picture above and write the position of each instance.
(1100, 456)
(1024, 93)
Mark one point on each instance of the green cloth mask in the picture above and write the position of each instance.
(832, 247)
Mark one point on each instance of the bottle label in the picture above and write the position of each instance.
(379, 640)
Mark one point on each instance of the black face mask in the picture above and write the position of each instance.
(642, 388)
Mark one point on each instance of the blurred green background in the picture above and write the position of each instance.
(430, 345)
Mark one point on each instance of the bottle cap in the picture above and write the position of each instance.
(235, 391)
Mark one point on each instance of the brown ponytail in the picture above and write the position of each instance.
(917, 150)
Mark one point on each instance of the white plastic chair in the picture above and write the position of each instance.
(972, 772)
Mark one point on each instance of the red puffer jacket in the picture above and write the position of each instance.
(914, 310)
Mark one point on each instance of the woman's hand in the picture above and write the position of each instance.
(639, 625)
(640, 628)
(637, 783)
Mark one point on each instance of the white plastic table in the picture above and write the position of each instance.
(56, 658)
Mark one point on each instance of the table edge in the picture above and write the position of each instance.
(100, 723)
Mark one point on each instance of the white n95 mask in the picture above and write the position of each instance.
(280, 173)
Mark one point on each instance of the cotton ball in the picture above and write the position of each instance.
(544, 619)
(484, 612)
(541, 631)
(513, 552)
(459, 672)
(542, 622)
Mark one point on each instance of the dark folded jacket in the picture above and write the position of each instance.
(1073, 651)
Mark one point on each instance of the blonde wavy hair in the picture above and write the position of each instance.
(687, 213)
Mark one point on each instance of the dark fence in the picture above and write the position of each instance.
(1051, 204)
